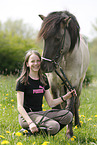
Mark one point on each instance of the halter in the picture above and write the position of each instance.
(57, 56)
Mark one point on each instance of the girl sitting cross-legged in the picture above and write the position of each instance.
(31, 86)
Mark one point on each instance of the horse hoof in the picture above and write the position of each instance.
(69, 135)
(78, 124)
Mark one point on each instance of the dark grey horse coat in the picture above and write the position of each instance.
(64, 44)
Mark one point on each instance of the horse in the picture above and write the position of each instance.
(66, 47)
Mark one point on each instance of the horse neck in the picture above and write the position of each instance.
(69, 58)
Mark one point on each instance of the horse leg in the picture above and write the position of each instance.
(77, 103)
(70, 107)
(69, 132)
(55, 95)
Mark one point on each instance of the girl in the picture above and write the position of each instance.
(31, 86)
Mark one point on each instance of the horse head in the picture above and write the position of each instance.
(60, 31)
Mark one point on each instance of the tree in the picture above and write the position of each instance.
(19, 28)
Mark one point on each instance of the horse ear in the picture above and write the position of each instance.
(65, 22)
(42, 17)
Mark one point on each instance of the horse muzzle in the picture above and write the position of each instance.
(47, 67)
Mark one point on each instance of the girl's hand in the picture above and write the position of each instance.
(33, 127)
(69, 94)
(74, 92)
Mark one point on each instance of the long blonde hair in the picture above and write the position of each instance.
(25, 70)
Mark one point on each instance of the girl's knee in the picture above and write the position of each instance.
(67, 118)
(53, 127)
(70, 116)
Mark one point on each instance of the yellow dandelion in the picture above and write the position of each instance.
(42, 105)
(74, 136)
(78, 109)
(2, 136)
(6, 97)
(12, 106)
(81, 122)
(7, 131)
(72, 139)
(5, 142)
(45, 143)
(95, 116)
(18, 134)
(12, 100)
(82, 115)
(25, 131)
(19, 143)
(6, 94)
(44, 109)
(89, 119)
(0, 104)
(94, 125)
(76, 127)
(34, 143)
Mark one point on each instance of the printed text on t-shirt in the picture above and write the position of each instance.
(38, 91)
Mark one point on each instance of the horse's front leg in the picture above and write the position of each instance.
(69, 132)
(77, 103)
(55, 94)
(70, 107)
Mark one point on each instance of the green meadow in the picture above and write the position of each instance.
(9, 125)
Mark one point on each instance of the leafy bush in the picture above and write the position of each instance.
(89, 76)
(13, 45)
(12, 53)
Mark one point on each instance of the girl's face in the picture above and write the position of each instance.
(34, 63)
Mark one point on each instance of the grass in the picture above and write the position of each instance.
(9, 125)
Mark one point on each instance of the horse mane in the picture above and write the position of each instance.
(51, 25)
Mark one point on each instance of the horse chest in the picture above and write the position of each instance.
(54, 80)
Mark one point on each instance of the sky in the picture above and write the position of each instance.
(28, 10)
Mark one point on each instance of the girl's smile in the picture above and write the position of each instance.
(34, 63)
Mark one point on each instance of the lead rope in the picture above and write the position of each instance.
(41, 121)
(44, 130)
(67, 84)
(65, 80)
